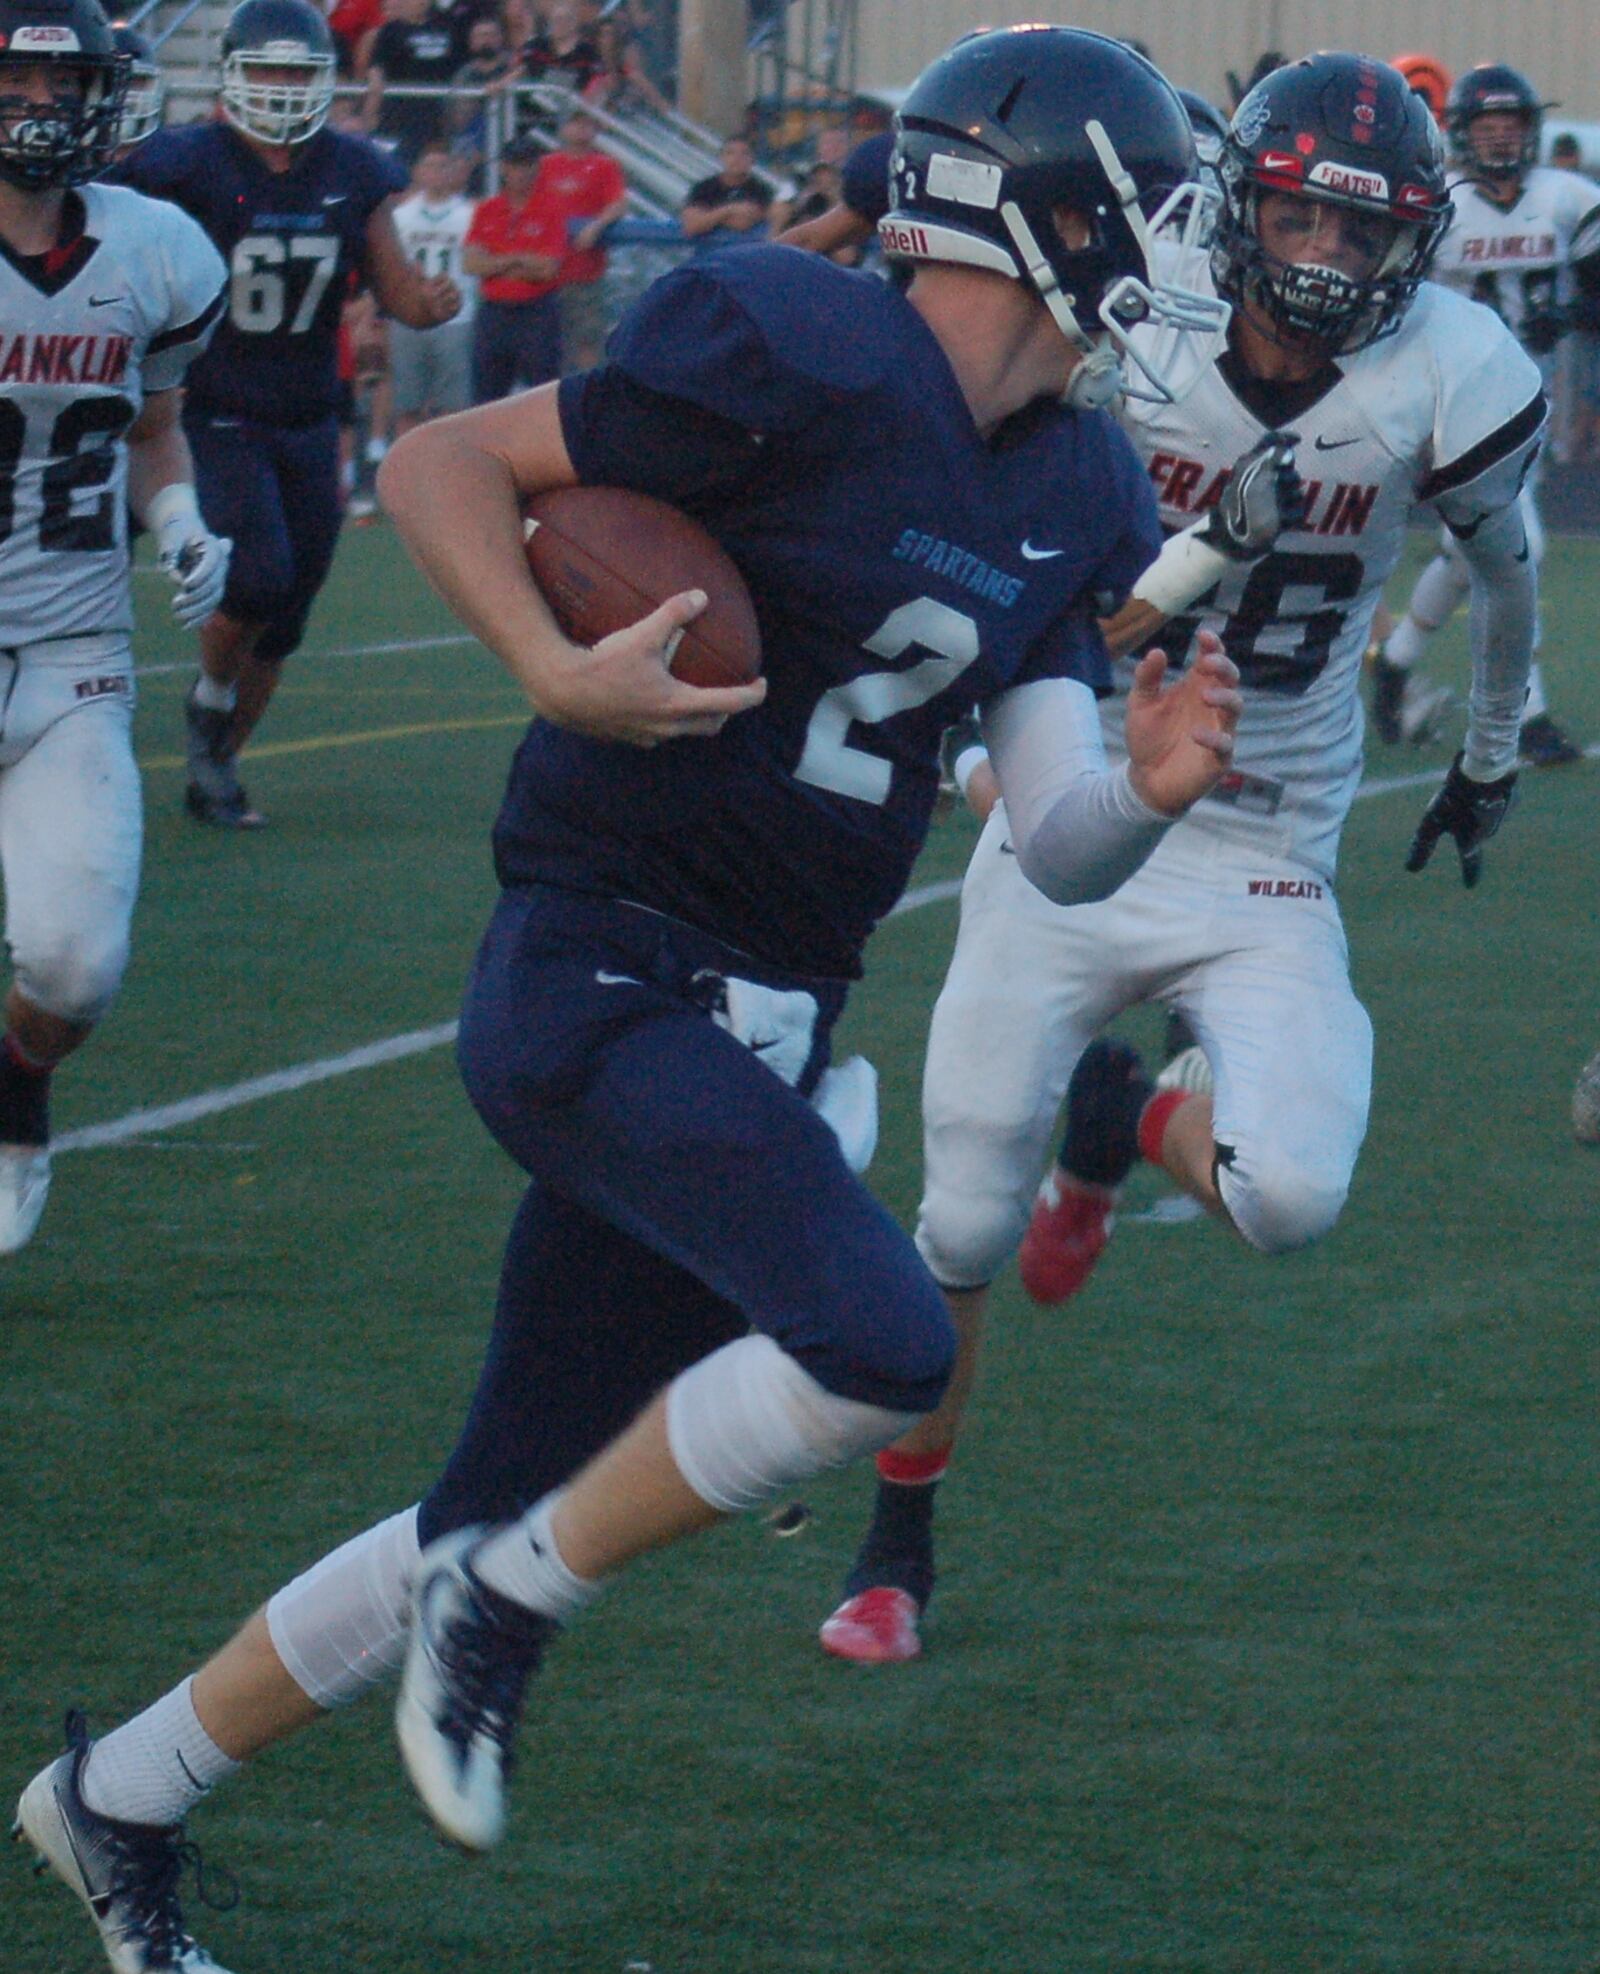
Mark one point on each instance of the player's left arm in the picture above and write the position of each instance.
(418, 300)
(162, 496)
(1477, 496)
(1081, 828)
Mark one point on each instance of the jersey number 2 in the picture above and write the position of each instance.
(828, 760)
(77, 466)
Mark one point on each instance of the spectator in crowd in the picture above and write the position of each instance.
(353, 24)
(489, 67)
(623, 85)
(414, 46)
(821, 191)
(430, 372)
(731, 206)
(1566, 153)
(362, 410)
(514, 249)
(563, 51)
(586, 190)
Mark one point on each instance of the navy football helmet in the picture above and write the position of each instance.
(1012, 127)
(1494, 86)
(1346, 131)
(1209, 125)
(147, 89)
(71, 137)
(263, 43)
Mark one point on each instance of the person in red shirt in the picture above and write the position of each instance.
(580, 182)
(515, 247)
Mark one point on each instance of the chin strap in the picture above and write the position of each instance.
(1098, 378)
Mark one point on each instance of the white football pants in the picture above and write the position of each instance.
(1252, 953)
(71, 820)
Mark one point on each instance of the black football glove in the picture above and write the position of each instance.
(1543, 329)
(1470, 811)
(1264, 495)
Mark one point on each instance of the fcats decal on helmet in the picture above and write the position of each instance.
(69, 139)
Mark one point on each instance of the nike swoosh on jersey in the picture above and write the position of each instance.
(1032, 554)
(104, 301)
(617, 980)
(1333, 445)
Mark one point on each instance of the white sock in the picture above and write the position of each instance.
(1405, 643)
(215, 696)
(156, 1767)
(524, 1564)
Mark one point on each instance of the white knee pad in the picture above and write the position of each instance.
(340, 1626)
(78, 980)
(749, 1421)
(966, 1238)
(1283, 1210)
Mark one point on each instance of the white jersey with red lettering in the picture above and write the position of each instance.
(1515, 258)
(1445, 410)
(86, 333)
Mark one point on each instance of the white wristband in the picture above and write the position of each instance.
(174, 508)
(1185, 569)
(966, 765)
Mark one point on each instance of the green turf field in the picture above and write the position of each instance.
(1266, 1633)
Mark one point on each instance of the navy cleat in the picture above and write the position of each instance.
(214, 794)
(1542, 744)
(471, 1654)
(125, 1873)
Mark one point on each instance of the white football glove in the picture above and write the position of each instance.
(193, 558)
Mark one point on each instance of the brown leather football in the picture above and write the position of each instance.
(603, 558)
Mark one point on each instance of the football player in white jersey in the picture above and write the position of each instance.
(1510, 245)
(105, 297)
(1399, 390)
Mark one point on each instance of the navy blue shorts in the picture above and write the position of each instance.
(275, 491)
(681, 1194)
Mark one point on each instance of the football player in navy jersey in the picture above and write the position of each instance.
(295, 210)
(929, 508)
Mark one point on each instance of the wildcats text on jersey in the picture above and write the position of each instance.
(1332, 508)
(30, 358)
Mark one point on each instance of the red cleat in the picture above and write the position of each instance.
(874, 1628)
(1067, 1235)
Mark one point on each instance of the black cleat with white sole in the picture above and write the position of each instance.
(125, 1873)
(471, 1654)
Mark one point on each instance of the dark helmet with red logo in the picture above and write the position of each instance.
(70, 138)
(1493, 86)
(1340, 130)
(1013, 126)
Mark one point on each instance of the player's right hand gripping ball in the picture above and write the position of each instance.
(1470, 811)
(603, 558)
(1586, 1103)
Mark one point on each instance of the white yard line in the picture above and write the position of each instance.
(232, 1096)
(339, 651)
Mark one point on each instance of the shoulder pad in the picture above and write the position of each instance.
(769, 336)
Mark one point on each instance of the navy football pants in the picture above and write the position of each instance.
(681, 1194)
(275, 490)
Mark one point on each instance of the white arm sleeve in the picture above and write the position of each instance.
(1505, 604)
(1077, 826)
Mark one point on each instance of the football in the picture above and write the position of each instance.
(1586, 1103)
(603, 558)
